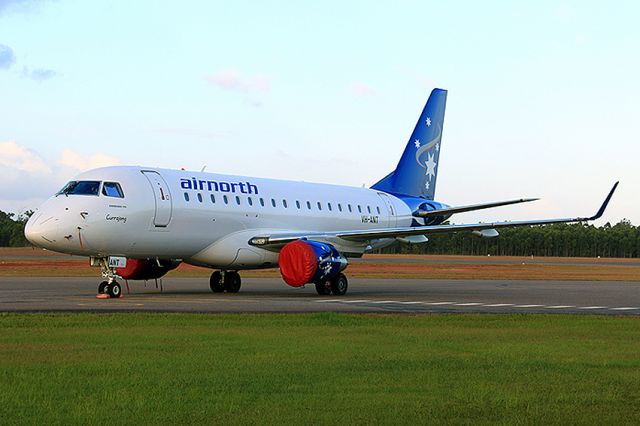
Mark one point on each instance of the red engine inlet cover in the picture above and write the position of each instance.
(298, 263)
(144, 269)
(135, 268)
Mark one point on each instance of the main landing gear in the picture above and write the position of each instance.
(337, 285)
(222, 281)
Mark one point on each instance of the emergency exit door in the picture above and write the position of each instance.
(162, 196)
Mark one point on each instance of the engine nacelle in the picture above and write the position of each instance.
(304, 261)
(146, 269)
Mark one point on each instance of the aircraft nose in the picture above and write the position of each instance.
(39, 229)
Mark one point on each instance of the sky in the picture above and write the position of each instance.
(543, 96)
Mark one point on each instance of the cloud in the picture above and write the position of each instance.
(22, 159)
(360, 89)
(232, 81)
(39, 74)
(7, 57)
(28, 178)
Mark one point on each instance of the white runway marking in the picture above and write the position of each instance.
(475, 304)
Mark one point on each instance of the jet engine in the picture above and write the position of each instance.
(304, 261)
(146, 269)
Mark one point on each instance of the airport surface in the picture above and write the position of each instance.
(366, 295)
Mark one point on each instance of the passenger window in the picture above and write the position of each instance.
(329, 205)
(273, 202)
(237, 200)
(284, 203)
(339, 207)
(213, 198)
(186, 197)
(350, 210)
(225, 199)
(199, 197)
(250, 201)
(262, 201)
(112, 189)
(308, 205)
(369, 209)
(319, 206)
(378, 209)
(359, 209)
(298, 204)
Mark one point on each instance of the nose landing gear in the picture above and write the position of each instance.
(110, 287)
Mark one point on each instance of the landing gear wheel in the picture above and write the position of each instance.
(323, 288)
(102, 287)
(114, 290)
(339, 285)
(232, 282)
(215, 282)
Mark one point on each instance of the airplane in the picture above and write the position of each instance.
(138, 223)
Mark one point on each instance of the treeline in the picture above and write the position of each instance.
(579, 239)
(12, 229)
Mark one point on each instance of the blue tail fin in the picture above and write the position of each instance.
(417, 170)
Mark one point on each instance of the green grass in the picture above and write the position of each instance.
(319, 369)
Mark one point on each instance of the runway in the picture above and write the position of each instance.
(365, 296)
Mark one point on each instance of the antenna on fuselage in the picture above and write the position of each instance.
(203, 167)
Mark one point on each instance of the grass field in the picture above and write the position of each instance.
(39, 263)
(318, 369)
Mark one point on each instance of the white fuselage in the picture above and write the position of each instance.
(205, 219)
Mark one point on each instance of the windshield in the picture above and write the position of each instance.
(81, 187)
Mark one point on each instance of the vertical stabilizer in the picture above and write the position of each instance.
(417, 169)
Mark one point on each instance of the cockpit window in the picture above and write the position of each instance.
(81, 187)
(112, 189)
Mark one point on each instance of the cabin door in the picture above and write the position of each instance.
(164, 205)
(390, 210)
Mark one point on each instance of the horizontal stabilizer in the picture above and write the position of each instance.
(469, 208)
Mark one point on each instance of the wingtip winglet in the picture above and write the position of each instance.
(604, 205)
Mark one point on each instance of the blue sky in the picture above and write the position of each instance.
(542, 95)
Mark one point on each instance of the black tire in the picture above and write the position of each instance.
(339, 285)
(232, 282)
(323, 288)
(102, 287)
(215, 282)
(114, 290)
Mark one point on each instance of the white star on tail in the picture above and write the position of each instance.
(431, 167)
(428, 121)
(417, 143)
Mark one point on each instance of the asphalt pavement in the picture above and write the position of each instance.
(365, 295)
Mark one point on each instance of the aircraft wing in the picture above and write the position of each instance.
(274, 241)
(469, 208)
